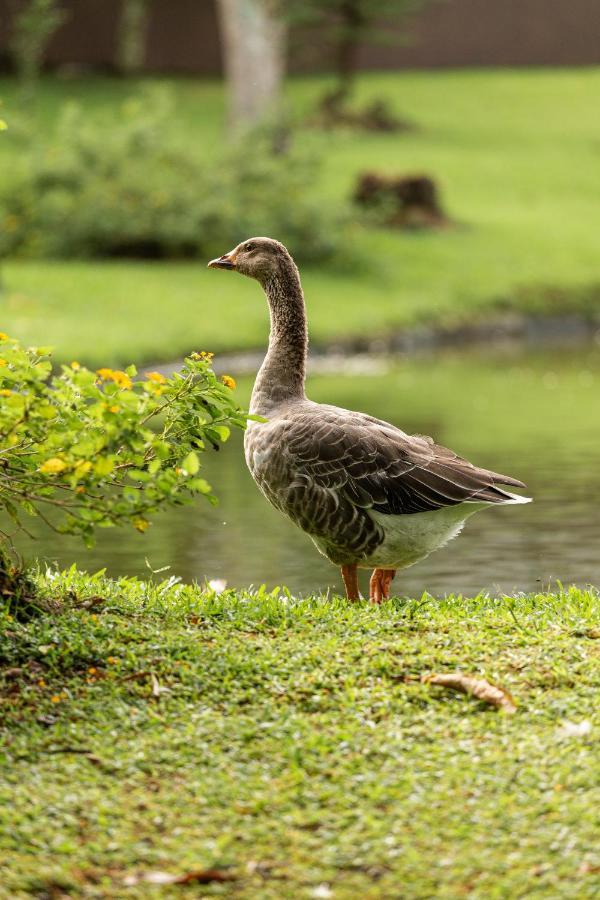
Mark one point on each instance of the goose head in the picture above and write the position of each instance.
(261, 258)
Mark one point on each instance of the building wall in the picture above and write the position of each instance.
(183, 36)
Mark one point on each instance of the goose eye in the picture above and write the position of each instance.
(249, 247)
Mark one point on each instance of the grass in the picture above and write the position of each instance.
(289, 742)
(516, 153)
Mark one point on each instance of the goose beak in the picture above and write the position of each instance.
(227, 261)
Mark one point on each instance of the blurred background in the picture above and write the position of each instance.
(434, 168)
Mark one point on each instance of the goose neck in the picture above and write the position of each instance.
(282, 375)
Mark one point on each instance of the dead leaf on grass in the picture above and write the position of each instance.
(575, 729)
(322, 892)
(92, 602)
(474, 687)
(157, 688)
(587, 868)
(12, 673)
(199, 876)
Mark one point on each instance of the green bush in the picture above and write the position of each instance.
(87, 450)
(126, 187)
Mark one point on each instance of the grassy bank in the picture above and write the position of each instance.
(290, 745)
(516, 155)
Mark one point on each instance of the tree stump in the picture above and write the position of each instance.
(403, 201)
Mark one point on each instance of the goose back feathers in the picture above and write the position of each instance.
(330, 470)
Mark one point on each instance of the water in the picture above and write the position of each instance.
(534, 416)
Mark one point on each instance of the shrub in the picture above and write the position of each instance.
(128, 187)
(87, 450)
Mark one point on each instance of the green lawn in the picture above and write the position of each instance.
(516, 152)
(291, 744)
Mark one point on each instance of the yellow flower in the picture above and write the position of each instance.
(114, 409)
(112, 660)
(141, 524)
(3, 362)
(228, 381)
(75, 365)
(204, 354)
(121, 379)
(5, 392)
(83, 467)
(53, 466)
(156, 377)
(4, 336)
(80, 489)
(41, 683)
(55, 698)
(92, 670)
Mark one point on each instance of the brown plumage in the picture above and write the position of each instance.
(368, 494)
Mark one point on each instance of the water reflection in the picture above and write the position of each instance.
(537, 418)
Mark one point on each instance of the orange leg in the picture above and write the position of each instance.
(379, 585)
(350, 576)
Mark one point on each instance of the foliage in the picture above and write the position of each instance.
(241, 713)
(358, 19)
(348, 24)
(260, 190)
(126, 187)
(102, 449)
(33, 27)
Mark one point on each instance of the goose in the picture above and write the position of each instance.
(369, 495)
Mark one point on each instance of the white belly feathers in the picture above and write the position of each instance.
(411, 538)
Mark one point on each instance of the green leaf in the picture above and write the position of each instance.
(191, 463)
(28, 507)
(139, 475)
(104, 465)
(219, 432)
(199, 485)
(47, 411)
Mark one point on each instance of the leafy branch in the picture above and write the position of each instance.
(86, 450)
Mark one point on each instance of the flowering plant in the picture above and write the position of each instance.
(86, 450)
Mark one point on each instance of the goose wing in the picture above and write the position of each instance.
(373, 465)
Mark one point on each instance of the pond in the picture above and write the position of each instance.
(535, 416)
